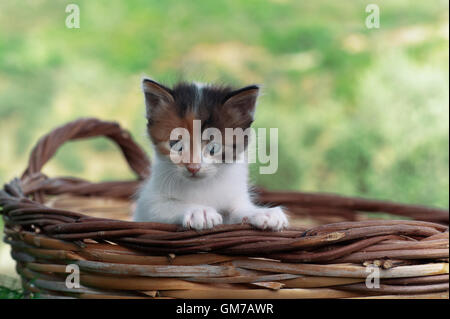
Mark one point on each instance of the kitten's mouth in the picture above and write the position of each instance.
(195, 176)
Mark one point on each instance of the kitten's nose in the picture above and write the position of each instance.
(193, 168)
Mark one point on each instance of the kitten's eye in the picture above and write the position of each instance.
(213, 148)
(176, 146)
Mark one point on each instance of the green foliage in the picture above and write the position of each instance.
(7, 293)
(359, 112)
(10, 288)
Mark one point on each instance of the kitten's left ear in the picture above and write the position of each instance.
(243, 100)
(156, 95)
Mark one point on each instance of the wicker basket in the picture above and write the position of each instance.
(53, 222)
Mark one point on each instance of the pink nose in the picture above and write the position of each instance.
(193, 168)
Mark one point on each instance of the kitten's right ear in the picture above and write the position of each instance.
(156, 95)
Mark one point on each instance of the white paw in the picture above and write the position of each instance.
(201, 217)
(268, 218)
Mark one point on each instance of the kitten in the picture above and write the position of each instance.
(199, 194)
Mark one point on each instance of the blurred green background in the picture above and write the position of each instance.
(360, 111)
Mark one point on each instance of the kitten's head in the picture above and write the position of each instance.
(197, 110)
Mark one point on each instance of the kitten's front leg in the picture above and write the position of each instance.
(165, 210)
(261, 217)
(201, 217)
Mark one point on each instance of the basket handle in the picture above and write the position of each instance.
(47, 146)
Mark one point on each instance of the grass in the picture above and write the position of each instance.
(10, 288)
(7, 293)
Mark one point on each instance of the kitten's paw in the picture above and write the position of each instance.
(202, 217)
(268, 218)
